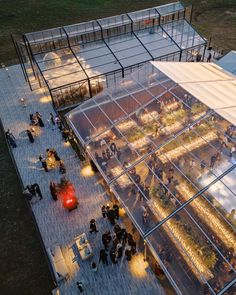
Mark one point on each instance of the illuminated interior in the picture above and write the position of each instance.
(163, 140)
(78, 61)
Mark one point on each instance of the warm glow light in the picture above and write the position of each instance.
(87, 171)
(122, 212)
(67, 143)
(207, 214)
(138, 266)
(45, 99)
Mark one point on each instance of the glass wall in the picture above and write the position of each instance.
(171, 162)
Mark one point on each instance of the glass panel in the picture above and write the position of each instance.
(82, 125)
(192, 261)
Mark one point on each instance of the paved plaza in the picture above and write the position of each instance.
(57, 225)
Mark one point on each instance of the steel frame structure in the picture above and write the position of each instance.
(112, 48)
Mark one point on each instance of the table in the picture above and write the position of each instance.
(83, 246)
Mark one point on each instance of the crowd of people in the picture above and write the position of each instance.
(51, 160)
(31, 191)
(107, 154)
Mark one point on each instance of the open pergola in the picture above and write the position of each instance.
(78, 61)
(163, 138)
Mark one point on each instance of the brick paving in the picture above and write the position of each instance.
(56, 224)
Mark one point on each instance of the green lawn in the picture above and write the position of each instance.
(212, 17)
(23, 268)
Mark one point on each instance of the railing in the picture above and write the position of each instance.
(30, 210)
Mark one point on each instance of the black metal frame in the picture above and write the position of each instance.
(102, 35)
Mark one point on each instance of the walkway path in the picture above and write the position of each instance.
(56, 224)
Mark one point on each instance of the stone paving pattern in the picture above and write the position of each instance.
(56, 224)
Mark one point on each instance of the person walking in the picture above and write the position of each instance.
(93, 227)
(53, 190)
(44, 164)
(37, 190)
(80, 287)
(103, 257)
(104, 211)
(30, 135)
(209, 57)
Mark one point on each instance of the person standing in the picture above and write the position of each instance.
(103, 256)
(31, 190)
(116, 211)
(128, 252)
(105, 241)
(57, 158)
(113, 256)
(39, 117)
(52, 119)
(44, 164)
(80, 287)
(37, 190)
(94, 267)
(111, 216)
(209, 57)
(93, 227)
(104, 211)
(11, 138)
(30, 135)
(53, 190)
(62, 167)
(119, 249)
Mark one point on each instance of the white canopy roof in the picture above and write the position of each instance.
(228, 62)
(207, 82)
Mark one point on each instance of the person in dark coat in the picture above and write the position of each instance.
(111, 216)
(37, 190)
(116, 211)
(41, 124)
(57, 158)
(104, 211)
(30, 135)
(80, 287)
(105, 241)
(93, 227)
(133, 247)
(52, 119)
(103, 257)
(11, 139)
(113, 256)
(53, 190)
(128, 252)
(124, 235)
(31, 190)
(44, 165)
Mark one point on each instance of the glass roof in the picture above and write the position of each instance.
(166, 154)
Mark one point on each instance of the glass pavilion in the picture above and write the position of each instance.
(78, 61)
(164, 140)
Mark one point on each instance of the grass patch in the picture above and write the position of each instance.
(215, 18)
